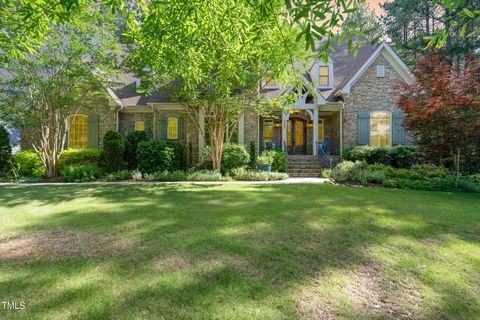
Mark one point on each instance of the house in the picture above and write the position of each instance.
(347, 101)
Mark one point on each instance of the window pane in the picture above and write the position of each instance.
(139, 126)
(78, 131)
(268, 131)
(324, 71)
(172, 128)
(270, 81)
(380, 128)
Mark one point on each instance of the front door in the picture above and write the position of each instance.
(296, 133)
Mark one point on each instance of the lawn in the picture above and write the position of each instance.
(238, 252)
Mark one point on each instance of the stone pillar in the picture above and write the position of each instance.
(315, 131)
(285, 117)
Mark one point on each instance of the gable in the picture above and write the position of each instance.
(392, 61)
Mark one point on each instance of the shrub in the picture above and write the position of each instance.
(159, 156)
(252, 175)
(121, 175)
(349, 171)
(431, 171)
(205, 175)
(279, 157)
(401, 156)
(28, 164)
(131, 145)
(373, 176)
(79, 156)
(5, 150)
(81, 172)
(137, 175)
(176, 175)
(234, 156)
(113, 151)
(265, 159)
(326, 173)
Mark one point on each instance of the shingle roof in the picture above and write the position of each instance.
(344, 67)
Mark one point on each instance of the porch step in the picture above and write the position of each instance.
(304, 166)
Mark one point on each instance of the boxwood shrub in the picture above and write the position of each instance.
(79, 156)
(401, 156)
(279, 159)
(234, 156)
(28, 164)
(159, 155)
(81, 172)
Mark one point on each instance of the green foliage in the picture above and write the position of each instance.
(205, 175)
(113, 149)
(121, 175)
(5, 150)
(265, 159)
(69, 71)
(326, 173)
(131, 144)
(81, 172)
(28, 164)
(401, 156)
(349, 171)
(79, 156)
(365, 20)
(279, 157)
(253, 154)
(422, 177)
(159, 156)
(252, 175)
(166, 175)
(234, 156)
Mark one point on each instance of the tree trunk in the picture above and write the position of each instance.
(457, 167)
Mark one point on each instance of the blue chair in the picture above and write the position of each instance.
(323, 147)
(272, 146)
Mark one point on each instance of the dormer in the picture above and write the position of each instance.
(270, 83)
(322, 74)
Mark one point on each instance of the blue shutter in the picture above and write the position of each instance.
(398, 132)
(363, 127)
(147, 129)
(93, 123)
(163, 127)
(180, 128)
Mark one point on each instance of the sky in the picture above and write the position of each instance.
(375, 5)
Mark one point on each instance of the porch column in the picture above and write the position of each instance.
(285, 117)
(315, 131)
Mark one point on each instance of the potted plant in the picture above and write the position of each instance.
(264, 163)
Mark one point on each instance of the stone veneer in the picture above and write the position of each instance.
(106, 120)
(251, 121)
(372, 93)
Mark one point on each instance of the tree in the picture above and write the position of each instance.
(443, 108)
(63, 76)
(412, 26)
(212, 55)
(25, 23)
(365, 20)
(5, 149)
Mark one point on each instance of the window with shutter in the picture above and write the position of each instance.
(172, 128)
(380, 128)
(78, 131)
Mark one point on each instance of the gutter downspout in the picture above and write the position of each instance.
(341, 130)
(117, 118)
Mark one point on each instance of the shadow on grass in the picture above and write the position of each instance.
(227, 251)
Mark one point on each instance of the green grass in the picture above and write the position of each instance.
(238, 252)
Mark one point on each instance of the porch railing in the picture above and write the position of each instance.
(322, 153)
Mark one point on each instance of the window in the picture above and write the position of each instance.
(380, 71)
(267, 131)
(139, 126)
(78, 131)
(380, 124)
(270, 81)
(323, 78)
(172, 128)
(321, 131)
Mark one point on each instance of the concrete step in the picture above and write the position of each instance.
(304, 175)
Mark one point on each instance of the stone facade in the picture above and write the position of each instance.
(372, 93)
(251, 122)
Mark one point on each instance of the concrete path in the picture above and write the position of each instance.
(287, 181)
